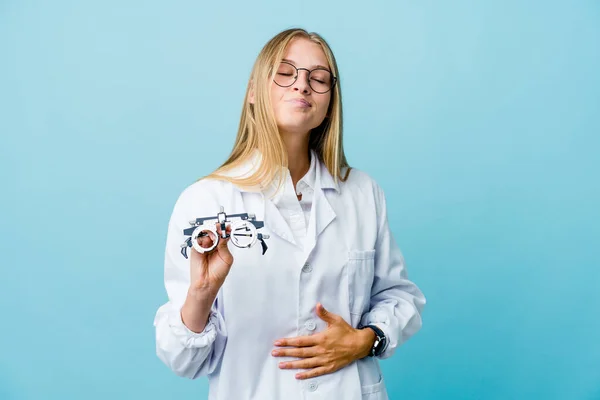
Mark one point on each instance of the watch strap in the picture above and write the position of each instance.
(380, 341)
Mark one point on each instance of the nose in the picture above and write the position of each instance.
(301, 83)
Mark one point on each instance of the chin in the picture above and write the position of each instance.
(296, 130)
(294, 125)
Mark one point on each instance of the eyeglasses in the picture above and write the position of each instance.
(320, 80)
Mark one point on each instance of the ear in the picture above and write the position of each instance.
(251, 92)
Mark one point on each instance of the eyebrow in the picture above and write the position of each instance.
(314, 66)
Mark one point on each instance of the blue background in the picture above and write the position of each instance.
(479, 119)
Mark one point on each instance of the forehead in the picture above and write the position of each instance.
(305, 53)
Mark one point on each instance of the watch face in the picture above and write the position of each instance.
(379, 345)
(380, 340)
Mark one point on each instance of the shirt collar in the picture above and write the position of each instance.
(287, 188)
(311, 175)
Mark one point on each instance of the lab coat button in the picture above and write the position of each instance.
(307, 268)
(310, 325)
(312, 386)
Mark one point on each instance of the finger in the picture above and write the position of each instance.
(312, 362)
(222, 248)
(299, 341)
(223, 242)
(206, 241)
(218, 227)
(300, 352)
(195, 253)
(318, 371)
(211, 235)
(327, 316)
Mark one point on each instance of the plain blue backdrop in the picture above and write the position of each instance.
(480, 120)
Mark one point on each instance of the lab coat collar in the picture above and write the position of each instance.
(310, 177)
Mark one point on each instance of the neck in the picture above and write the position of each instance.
(298, 155)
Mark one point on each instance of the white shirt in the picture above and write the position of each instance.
(296, 212)
(349, 261)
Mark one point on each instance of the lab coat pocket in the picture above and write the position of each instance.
(374, 392)
(371, 379)
(361, 270)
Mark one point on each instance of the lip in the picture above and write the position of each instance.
(300, 102)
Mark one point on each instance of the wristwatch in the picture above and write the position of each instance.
(380, 341)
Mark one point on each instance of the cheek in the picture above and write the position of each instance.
(324, 105)
(276, 97)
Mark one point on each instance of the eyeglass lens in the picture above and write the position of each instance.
(320, 80)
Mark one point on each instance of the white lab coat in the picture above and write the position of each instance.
(350, 263)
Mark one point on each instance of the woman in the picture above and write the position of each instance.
(312, 316)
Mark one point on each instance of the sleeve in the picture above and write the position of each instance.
(396, 302)
(185, 352)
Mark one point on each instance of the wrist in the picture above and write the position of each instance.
(200, 295)
(366, 341)
(381, 340)
(196, 310)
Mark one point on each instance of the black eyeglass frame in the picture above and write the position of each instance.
(333, 77)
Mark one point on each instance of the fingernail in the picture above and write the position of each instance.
(278, 343)
(275, 352)
(281, 365)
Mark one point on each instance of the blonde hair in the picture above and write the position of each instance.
(258, 127)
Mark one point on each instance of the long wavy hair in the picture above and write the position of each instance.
(258, 127)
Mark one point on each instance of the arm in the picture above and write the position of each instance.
(396, 302)
(187, 352)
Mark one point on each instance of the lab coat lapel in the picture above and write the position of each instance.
(275, 222)
(322, 214)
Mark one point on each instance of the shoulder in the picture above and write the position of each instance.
(204, 193)
(373, 203)
(363, 189)
(360, 182)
